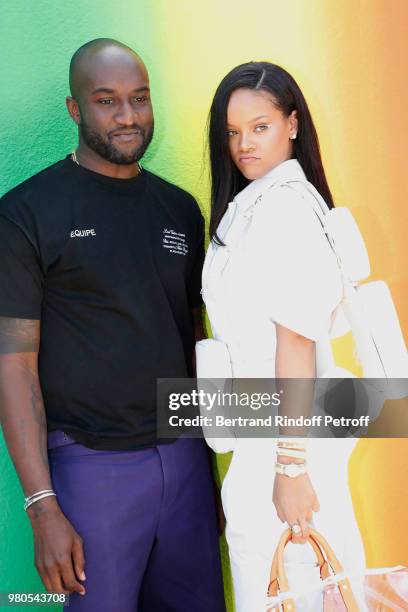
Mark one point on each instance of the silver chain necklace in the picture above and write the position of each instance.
(75, 159)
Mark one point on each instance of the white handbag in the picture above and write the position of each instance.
(214, 374)
(368, 308)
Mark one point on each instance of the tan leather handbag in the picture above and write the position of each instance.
(384, 589)
(337, 592)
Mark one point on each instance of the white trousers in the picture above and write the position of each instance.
(253, 527)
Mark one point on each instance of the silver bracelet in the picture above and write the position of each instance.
(290, 441)
(291, 452)
(28, 501)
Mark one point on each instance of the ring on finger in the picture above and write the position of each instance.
(296, 529)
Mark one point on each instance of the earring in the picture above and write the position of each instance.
(293, 136)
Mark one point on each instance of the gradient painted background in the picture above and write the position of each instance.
(348, 56)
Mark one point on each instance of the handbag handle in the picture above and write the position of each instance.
(279, 581)
(274, 585)
(321, 562)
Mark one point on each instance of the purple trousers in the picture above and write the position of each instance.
(148, 522)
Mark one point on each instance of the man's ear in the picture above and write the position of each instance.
(73, 109)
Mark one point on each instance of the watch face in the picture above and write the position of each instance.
(292, 470)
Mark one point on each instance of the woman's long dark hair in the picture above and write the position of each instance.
(226, 179)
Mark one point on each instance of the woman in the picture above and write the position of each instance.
(271, 285)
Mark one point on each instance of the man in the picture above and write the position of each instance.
(100, 266)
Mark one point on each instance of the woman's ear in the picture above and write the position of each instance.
(293, 125)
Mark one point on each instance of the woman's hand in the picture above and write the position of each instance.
(295, 501)
(294, 498)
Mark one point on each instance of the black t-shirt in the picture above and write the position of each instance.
(112, 268)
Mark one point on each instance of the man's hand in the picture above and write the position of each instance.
(59, 556)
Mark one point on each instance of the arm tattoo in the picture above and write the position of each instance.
(19, 335)
(21, 404)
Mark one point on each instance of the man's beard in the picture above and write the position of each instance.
(106, 149)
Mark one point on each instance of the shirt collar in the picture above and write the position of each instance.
(287, 170)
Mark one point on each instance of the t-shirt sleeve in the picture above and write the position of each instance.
(194, 282)
(21, 277)
(301, 281)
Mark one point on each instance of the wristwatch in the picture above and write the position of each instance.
(291, 469)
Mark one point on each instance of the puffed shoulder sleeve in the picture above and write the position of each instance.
(299, 277)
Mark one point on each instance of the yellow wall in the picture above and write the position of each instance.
(350, 59)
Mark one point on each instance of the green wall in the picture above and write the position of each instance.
(37, 39)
